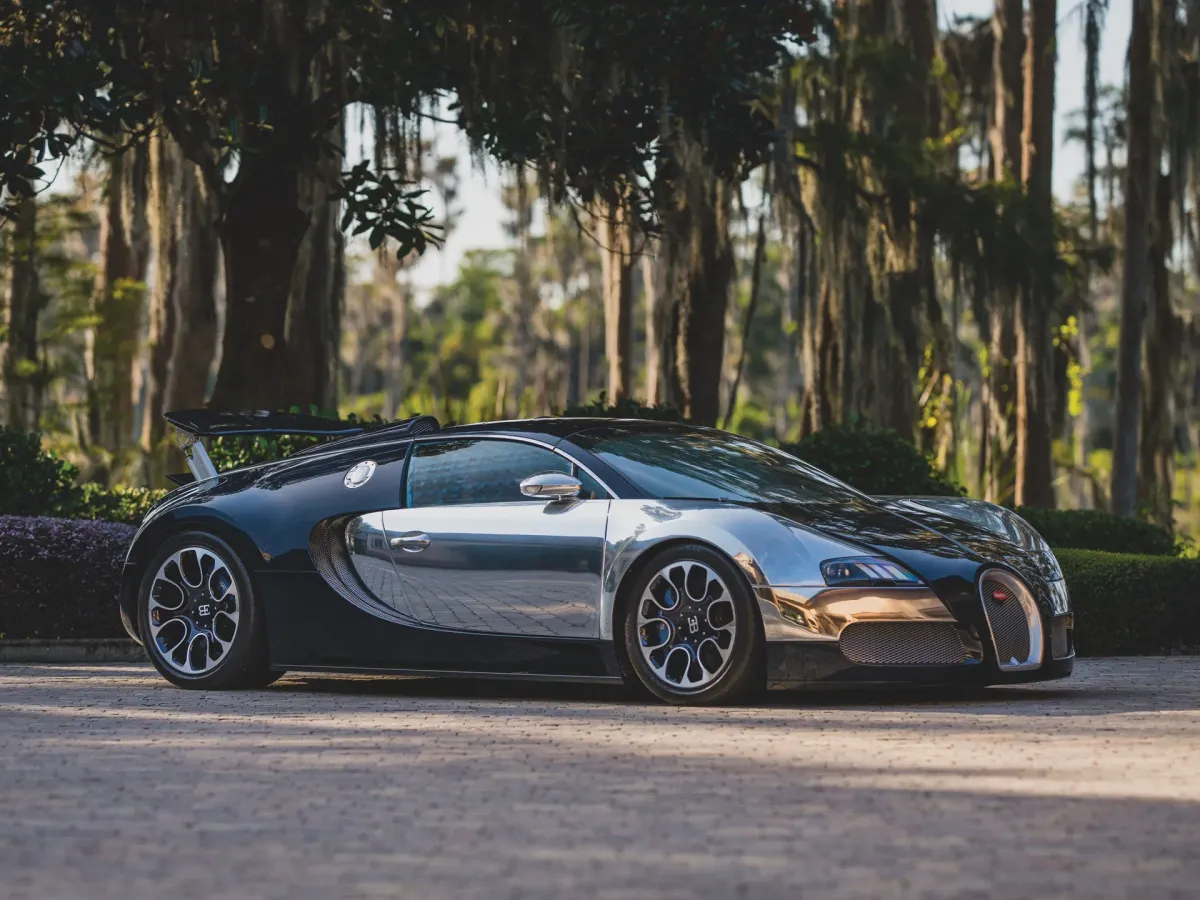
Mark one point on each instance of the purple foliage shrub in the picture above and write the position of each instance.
(59, 577)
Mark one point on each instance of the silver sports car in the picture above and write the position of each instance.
(697, 564)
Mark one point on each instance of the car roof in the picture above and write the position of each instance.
(565, 427)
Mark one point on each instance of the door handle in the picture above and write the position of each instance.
(411, 541)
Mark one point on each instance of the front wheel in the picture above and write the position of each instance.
(198, 617)
(691, 630)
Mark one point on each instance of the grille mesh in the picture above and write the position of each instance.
(902, 644)
(1060, 638)
(1010, 630)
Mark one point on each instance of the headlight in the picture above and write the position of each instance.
(866, 571)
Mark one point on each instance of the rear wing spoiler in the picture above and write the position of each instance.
(194, 424)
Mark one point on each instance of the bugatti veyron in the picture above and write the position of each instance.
(697, 564)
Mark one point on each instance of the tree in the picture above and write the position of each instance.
(22, 365)
(182, 314)
(699, 265)
(253, 91)
(999, 445)
(615, 235)
(1141, 165)
(1035, 463)
(120, 286)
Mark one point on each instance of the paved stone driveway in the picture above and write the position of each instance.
(114, 785)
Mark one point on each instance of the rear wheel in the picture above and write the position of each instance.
(199, 620)
(691, 631)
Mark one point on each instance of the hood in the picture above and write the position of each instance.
(929, 543)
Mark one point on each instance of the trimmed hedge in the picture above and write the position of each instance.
(1133, 604)
(1092, 529)
(59, 578)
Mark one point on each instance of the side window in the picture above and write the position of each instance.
(446, 473)
(591, 489)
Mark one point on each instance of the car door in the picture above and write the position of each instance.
(472, 553)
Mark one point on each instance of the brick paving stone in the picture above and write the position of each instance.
(115, 785)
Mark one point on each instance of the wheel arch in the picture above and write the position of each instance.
(643, 561)
(147, 543)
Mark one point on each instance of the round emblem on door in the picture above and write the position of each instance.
(360, 474)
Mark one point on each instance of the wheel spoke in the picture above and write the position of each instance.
(193, 611)
(686, 622)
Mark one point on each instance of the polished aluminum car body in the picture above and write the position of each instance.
(509, 548)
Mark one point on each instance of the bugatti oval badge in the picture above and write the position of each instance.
(360, 474)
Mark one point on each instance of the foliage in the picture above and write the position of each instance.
(32, 481)
(577, 86)
(1126, 603)
(874, 462)
(121, 503)
(35, 482)
(1092, 529)
(61, 577)
(625, 408)
(235, 452)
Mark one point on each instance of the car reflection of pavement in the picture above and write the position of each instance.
(474, 601)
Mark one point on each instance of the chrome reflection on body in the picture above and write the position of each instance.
(1013, 619)
(686, 624)
(825, 612)
(770, 550)
(193, 610)
(519, 568)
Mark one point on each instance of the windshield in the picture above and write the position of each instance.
(709, 465)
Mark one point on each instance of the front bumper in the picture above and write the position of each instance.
(799, 664)
(955, 635)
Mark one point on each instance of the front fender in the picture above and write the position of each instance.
(770, 550)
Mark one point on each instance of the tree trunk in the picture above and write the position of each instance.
(700, 265)
(278, 235)
(313, 328)
(23, 381)
(1164, 331)
(120, 288)
(193, 293)
(183, 314)
(262, 232)
(1035, 460)
(397, 297)
(760, 246)
(658, 322)
(314, 310)
(1140, 118)
(1008, 90)
(616, 255)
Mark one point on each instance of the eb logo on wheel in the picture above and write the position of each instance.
(693, 624)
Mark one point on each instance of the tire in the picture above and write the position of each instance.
(661, 605)
(200, 622)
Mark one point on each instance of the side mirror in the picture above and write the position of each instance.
(551, 486)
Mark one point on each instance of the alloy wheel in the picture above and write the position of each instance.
(193, 610)
(686, 625)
